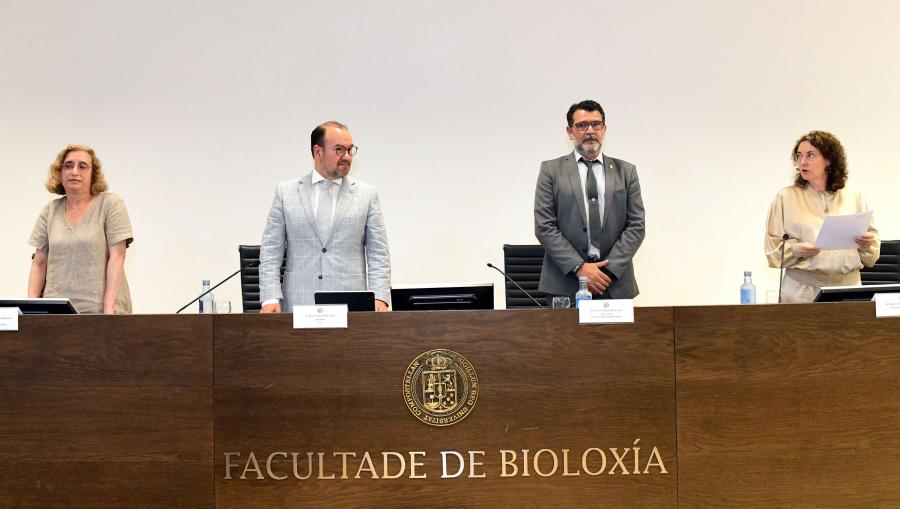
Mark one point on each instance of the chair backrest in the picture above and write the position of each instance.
(250, 278)
(523, 264)
(887, 268)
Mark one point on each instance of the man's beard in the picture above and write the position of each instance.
(589, 147)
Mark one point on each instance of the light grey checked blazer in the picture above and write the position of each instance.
(354, 257)
(561, 227)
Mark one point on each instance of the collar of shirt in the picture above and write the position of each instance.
(579, 156)
(317, 177)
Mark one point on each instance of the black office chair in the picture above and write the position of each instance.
(250, 278)
(887, 268)
(523, 264)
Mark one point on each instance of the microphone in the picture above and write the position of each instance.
(517, 285)
(244, 266)
(784, 239)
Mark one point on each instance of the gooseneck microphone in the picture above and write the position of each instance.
(244, 266)
(784, 239)
(517, 285)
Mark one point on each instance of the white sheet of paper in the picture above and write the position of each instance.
(606, 311)
(321, 316)
(887, 304)
(9, 318)
(839, 232)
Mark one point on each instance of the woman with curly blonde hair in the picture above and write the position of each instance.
(797, 214)
(81, 237)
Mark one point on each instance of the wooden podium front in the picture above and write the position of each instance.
(546, 384)
(737, 406)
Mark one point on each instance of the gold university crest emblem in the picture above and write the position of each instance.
(440, 387)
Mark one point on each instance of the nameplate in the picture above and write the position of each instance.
(9, 318)
(321, 316)
(887, 304)
(606, 311)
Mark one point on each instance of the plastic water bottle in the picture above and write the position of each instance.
(748, 291)
(583, 292)
(207, 303)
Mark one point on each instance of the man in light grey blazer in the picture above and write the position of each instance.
(332, 227)
(588, 213)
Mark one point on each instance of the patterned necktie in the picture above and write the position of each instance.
(593, 202)
(324, 209)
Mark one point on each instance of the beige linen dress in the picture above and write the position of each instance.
(77, 255)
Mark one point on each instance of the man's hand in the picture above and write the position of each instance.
(271, 308)
(598, 282)
(806, 250)
(380, 305)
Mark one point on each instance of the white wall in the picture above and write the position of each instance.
(198, 108)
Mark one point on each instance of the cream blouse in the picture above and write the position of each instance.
(800, 213)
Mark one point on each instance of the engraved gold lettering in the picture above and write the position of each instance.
(659, 463)
(269, 465)
(228, 464)
(619, 460)
(459, 457)
(636, 450)
(508, 459)
(525, 463)
(343, 456)
(366, 460)
(537, 462)
(322, 467)
(565, 462)
(473, 464)
(251, 460)
(386, 462)
(413, 464)
(584, 461)
(309, 466)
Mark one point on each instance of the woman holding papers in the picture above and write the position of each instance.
(798, 213)
(80, 238)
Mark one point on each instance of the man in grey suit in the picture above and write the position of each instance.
(588, 213)
(333, 229)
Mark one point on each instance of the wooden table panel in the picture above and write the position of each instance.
(98, 423)
(107, 412)
(106, 485)
(546, 382)
(787, 406)
(107, 351)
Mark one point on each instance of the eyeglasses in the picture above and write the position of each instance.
(71, 165)
(341, 150)
(583, 126)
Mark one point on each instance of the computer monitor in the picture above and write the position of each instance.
(355, 301)
(37, 306)
(851, 293)
(442, 296)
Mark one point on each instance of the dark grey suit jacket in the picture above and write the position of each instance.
(561, 227)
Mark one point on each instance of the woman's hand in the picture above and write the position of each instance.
(865, 240)
(806, 250)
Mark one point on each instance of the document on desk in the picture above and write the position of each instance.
(840, 232)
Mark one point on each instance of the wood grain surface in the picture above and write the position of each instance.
(788, 406)
(750, 406)
(546, 382)
(106, 412)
